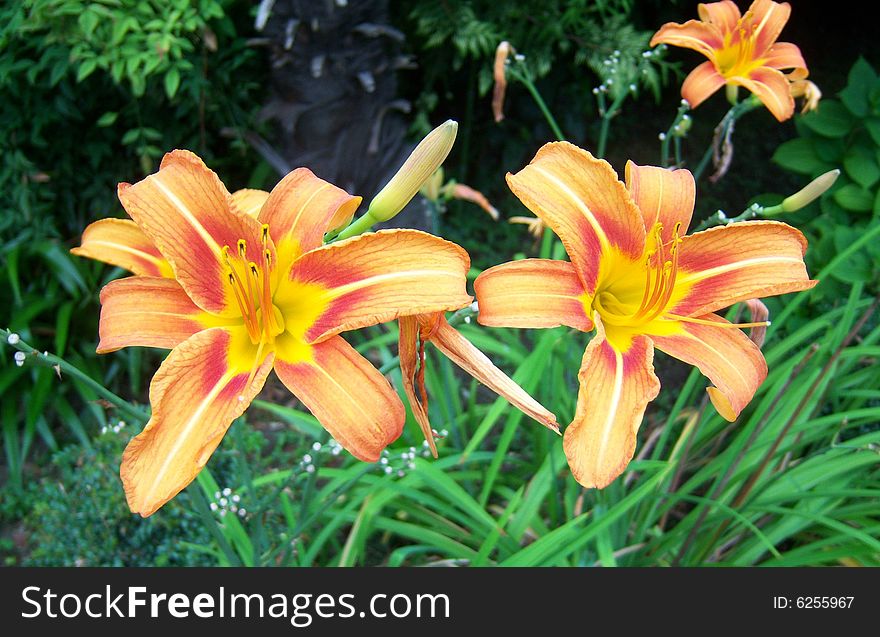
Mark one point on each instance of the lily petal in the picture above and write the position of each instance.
(249, 201)
(149, 312)
(407, 350)
(463, 353)
(725, 355)
(350, 398)
(751, 259)
(615, 388)
(377, 277)
(581, 199)
(532, 293)
(195, 396)
(772, 88)
(302, 208)
(701, 84)
(725, 15)
(784, 55)
(768, 19)
(122, 243)
(186, 211)
(693, 34)
(663, 196)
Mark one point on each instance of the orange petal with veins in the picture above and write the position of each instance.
(532, 293)
(195, 396)
(122, 243)
(348, 396)
(723, 354)
(615, 388)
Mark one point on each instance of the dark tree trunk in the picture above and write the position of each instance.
(333, 93)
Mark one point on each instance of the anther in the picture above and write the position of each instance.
(242, 248)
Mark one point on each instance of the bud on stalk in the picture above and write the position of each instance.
(811, 192)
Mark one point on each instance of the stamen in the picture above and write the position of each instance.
(242, 248)
(690, 319)
(268, 308)
(264, 234)
(255, 366)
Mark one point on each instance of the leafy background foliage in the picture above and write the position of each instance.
(843, 133)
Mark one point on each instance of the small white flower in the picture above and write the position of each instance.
(19, 358)
(310, 468)
(13, 338)
(383, 461)
(307, 458)
(213, 506)
(217, 495)
(242, 513)
(236, 498)
(661, 136)
(316, 447)
(388, 470)
(227, 491)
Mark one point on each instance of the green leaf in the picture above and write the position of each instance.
(830, 120)
(88, 20)
(172, 82)
(85, 69)
(862, 80)
(130, 136)
(857, 268)
(107, 119)
(799, 156)
(854, 198)
(861, 166)
(873, 126)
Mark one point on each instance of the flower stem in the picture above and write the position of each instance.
(60, 365)
(683, 108)
(358, 226)
(607, 115)
(736, 111)
(523, 76)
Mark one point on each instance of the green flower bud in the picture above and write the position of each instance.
(419, 166)
(811, 192)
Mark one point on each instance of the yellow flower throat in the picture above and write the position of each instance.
(653, 277)
(737, 59)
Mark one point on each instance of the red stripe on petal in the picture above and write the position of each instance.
(380, 276)
(185, 210)
(751, 259)
(195, 396)
(615, 388)
(725, 355)
(581, 199)
(148, 312)
(348, 396)
(532, 293)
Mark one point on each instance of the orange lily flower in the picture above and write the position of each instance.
(742, 51)
(254, 289)
(415, 331)
(641, 283)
